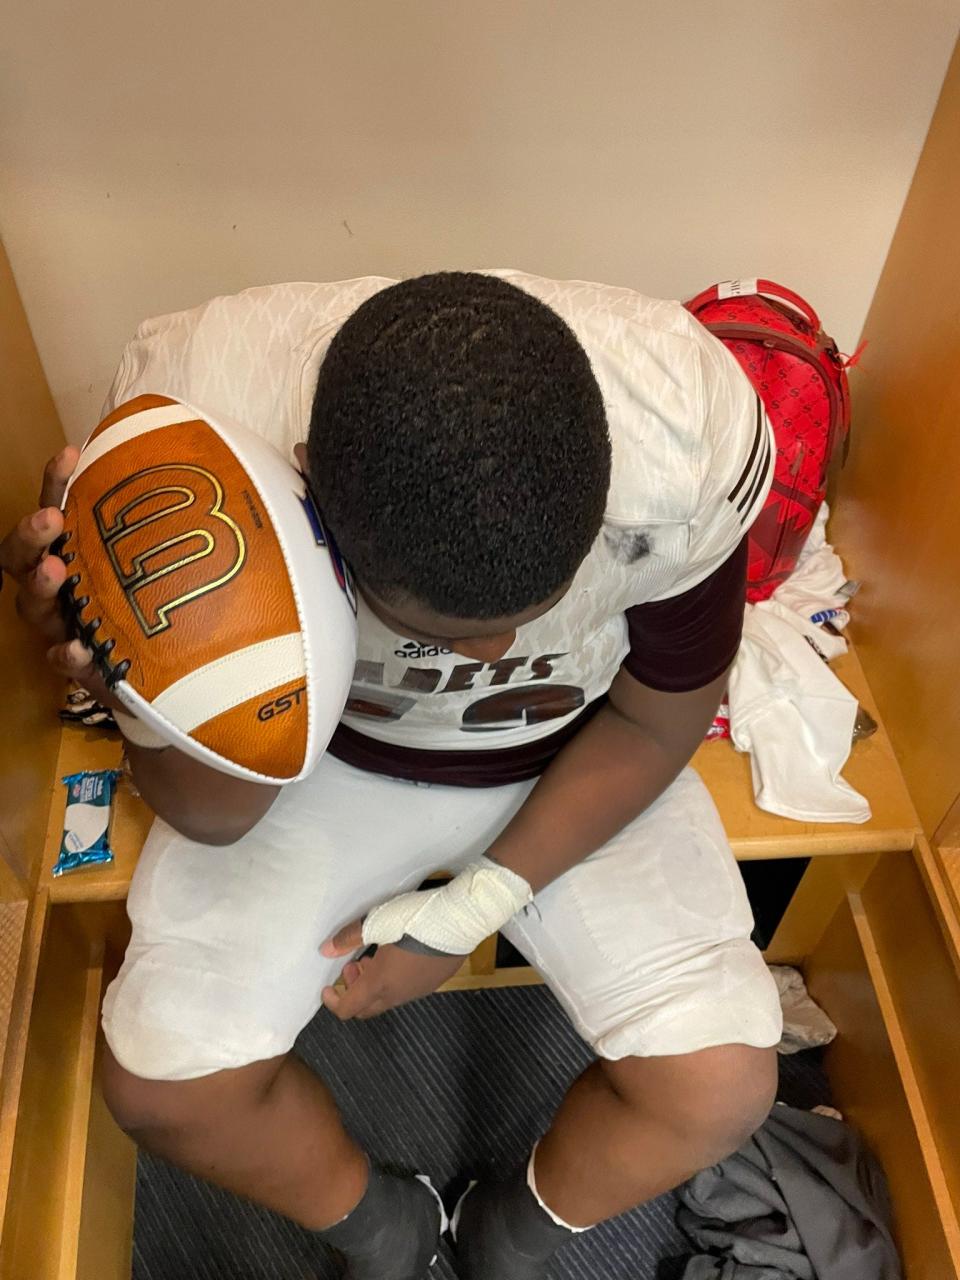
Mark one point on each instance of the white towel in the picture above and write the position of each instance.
(793, 715)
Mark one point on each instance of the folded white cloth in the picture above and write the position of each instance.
(793, 715)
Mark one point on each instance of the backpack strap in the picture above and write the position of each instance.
(753, 285)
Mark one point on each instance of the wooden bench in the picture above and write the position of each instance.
(70, 1202)
(753, 833)
(840, 926)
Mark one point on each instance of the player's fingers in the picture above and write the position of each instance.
(353, 1002)
(56, 474)
(71, 660)
(24, 546)
(374, 1010)
(333, 1001)
(348, 939)
(37, 599)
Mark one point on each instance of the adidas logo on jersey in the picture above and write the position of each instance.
(413, 650)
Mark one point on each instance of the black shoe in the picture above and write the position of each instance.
(394, 1232)
(501, 1232)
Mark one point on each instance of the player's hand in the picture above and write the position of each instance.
(39, 576)
(377, 983)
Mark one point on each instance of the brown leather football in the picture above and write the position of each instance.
(202, 577)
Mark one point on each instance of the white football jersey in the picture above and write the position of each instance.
(692, 464)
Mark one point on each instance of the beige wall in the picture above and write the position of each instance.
(153, 155)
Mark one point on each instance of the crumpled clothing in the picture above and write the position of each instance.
(794, 717)
(802, 1200)
(805, 1025)
(818, 577)
(706, 1267)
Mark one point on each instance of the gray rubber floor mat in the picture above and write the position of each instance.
(460, 1083)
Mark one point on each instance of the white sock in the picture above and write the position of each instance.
(532, 1184)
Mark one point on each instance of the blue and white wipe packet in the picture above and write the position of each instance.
(86, 820)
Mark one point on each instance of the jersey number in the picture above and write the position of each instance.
(510, 709)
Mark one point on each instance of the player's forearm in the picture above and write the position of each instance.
(201, 803)
(599, 783)
(604, 778)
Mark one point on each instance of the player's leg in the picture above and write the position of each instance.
(230, 1126)
(224, 969)
(647, 945)
(629, 1130)
(270, 1132)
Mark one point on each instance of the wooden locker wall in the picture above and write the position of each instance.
(897, 518)
(29, 730)
(29, 693)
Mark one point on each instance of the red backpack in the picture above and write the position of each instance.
(801, 378)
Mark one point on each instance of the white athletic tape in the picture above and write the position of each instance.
(456, 917)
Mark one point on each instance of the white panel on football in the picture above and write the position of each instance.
(138, 424)
(232, 679)
(144, 712)
(327, 619)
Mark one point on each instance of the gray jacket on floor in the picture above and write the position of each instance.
(803, 1200)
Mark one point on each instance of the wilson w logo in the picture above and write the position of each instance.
(168, 539)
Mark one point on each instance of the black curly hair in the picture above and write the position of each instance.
(458, 446)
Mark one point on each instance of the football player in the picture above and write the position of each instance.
(542, 491)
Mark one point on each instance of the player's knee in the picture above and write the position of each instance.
(749, 1091)
(170, 1112)
(722, 1118)
(136, 1104)
(714, 1102)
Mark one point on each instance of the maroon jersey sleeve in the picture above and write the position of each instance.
(685, 642)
